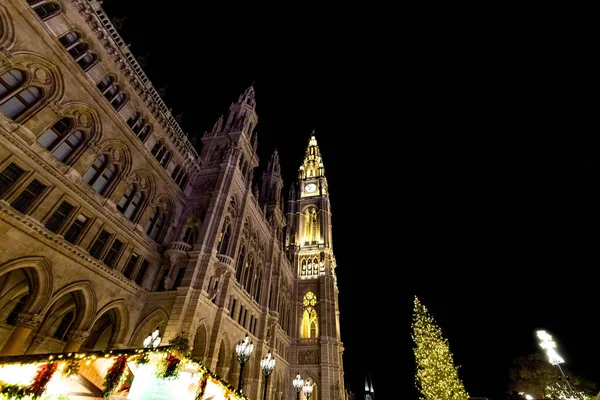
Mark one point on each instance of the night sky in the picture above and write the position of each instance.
(458, 165)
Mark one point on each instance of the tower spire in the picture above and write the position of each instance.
(312, 166)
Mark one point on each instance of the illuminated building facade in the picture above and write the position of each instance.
(112, 224)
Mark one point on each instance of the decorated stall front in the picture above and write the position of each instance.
(165, 372)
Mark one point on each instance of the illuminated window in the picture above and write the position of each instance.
(310, 322)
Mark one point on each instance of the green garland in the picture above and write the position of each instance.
(114, 375)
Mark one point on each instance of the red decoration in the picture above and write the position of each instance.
(42, 377)
(201, 388)
(114, 375)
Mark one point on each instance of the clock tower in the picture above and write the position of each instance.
(318, 349)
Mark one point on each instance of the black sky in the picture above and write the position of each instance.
(459, 166)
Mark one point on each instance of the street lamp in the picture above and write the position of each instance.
(243, 350)
(298, 382)
(267, 364)
(308, 388)
(549, 346)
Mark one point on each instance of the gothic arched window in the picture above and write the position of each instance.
(224, 239)
(155, 224)
(310, 322)
(64, 327)
(131, 202)
(240, 266)
(61, 140)
(100, 174)
(14, 103)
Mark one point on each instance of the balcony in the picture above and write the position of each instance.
(307, 341)
(179, 246)
(222, 258)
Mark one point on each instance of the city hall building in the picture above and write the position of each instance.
(113, 225)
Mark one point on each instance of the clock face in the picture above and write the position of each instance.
(311, 187)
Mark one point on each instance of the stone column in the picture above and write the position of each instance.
(15, 341)
(75, 340)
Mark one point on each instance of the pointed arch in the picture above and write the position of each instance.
(119, 152)
(122, 323)
(7, 29)
(148, 325)
(86, 299)
(40, 72)
(201, 341)
(85, 116)
(40, 280)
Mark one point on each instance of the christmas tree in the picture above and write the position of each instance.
(437, 377)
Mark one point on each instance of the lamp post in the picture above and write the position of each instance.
(308, 388)
(243, 350)
(267, 365)
(549, 346)
(298, 382)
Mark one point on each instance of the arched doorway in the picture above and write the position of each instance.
(15, 294)
(199, 349)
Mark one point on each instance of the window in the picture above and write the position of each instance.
(182, 182)
(130, 267)
(8, 177)
(144, 132)
(133, 120)
(17, 104)
(24, 201)
(232, 312)
(141, 274)
(100, 174)
(130, 202)
(155, 224)
(190, 236)
(61, 143)
(10, 81)
(57, 220)
(80, 51)
(65, 324)
(113, 253)
(164, 161)
(224, 239)
(179, 176)
(118, 101)
(309, 328)
(74, 232)
(179, 278)
(99, 244)
(105, 83)
(46, 10)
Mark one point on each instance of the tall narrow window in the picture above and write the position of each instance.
(157, 147)
(9, 176)
(69, 39)
(155, 224)
(100, 174)
(20, 102)
(144, 132)
(179, 278)
(118, 101)
(73, 234)
(99, 244)
(87, 60)
(58, 219)
(224, 239)
(11, 80)
(130, 267)
(141, 274)
(240, 266)
(309, 316)
(59, 141)
(232, 312)
(134, 120)
(182, 181)
(130, 202)
(190, 236)
(113, 253)
(24, 201)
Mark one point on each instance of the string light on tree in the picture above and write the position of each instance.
(436, 377)
(547, 343)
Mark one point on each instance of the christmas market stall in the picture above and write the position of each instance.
(163, 372)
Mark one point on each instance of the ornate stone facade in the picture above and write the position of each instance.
(113, 225)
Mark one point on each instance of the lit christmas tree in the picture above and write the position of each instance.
(437, 377)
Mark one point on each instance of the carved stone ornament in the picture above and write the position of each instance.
(83, 119)
(40, 74)
(78, 336)
(31, 321)
(117, 155)
(143, 182)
